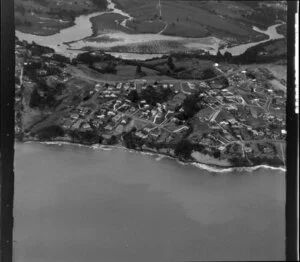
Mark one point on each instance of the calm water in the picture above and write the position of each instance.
(80, 204)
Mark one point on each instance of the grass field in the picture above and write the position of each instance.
(193, 18)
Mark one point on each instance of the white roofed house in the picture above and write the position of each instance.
(74, 116)
(97, 87)
(86, 126)
(101, 116)
(110, 113)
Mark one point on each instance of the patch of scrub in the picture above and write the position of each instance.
(206, 159)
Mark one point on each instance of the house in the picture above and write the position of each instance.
(221, 148)
(141, 135)
(147, 129)
(248, 149)
(132, 109)
(97, 87)
(41, 72)
(223, 123)
(117, 118)
(267, 150)
(283, 132)
(153, 112)
(77, 124)
(110, 113)
(232, 121)
(86, 126)
(74, 116)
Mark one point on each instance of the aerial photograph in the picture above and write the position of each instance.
(150, 130)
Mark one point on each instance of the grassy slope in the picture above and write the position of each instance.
(193, 18)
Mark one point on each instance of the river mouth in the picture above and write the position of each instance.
(76, 39)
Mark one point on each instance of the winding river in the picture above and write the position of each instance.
(76, 36)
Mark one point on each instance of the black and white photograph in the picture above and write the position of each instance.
(150, 130)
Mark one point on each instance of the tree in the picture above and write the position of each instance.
(217, 154)
(219, 55)
(208, 73)
(170, 63)
(35, 99)
(191, 106)
(227, 56)
(133, 96)
(184, 149)
(138, 70)
(150, 95)
(50, 132)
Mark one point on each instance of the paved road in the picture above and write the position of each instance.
(257, 141)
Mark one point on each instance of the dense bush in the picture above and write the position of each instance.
(155, 95)
(35, 99)
(133, 96)
(184, 149)
(191, 105)
(131, 141)
(50, 132)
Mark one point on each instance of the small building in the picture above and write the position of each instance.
(221, 148)
(110, 113)
(248, 149)
(283, 132)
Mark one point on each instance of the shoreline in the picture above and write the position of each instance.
(160, 155)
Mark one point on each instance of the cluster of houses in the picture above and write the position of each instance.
(160, 122)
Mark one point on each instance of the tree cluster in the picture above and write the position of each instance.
(50, 132)
(191, 105)
(155, 95)
(131, 141)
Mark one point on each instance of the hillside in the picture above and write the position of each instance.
(194, 18)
